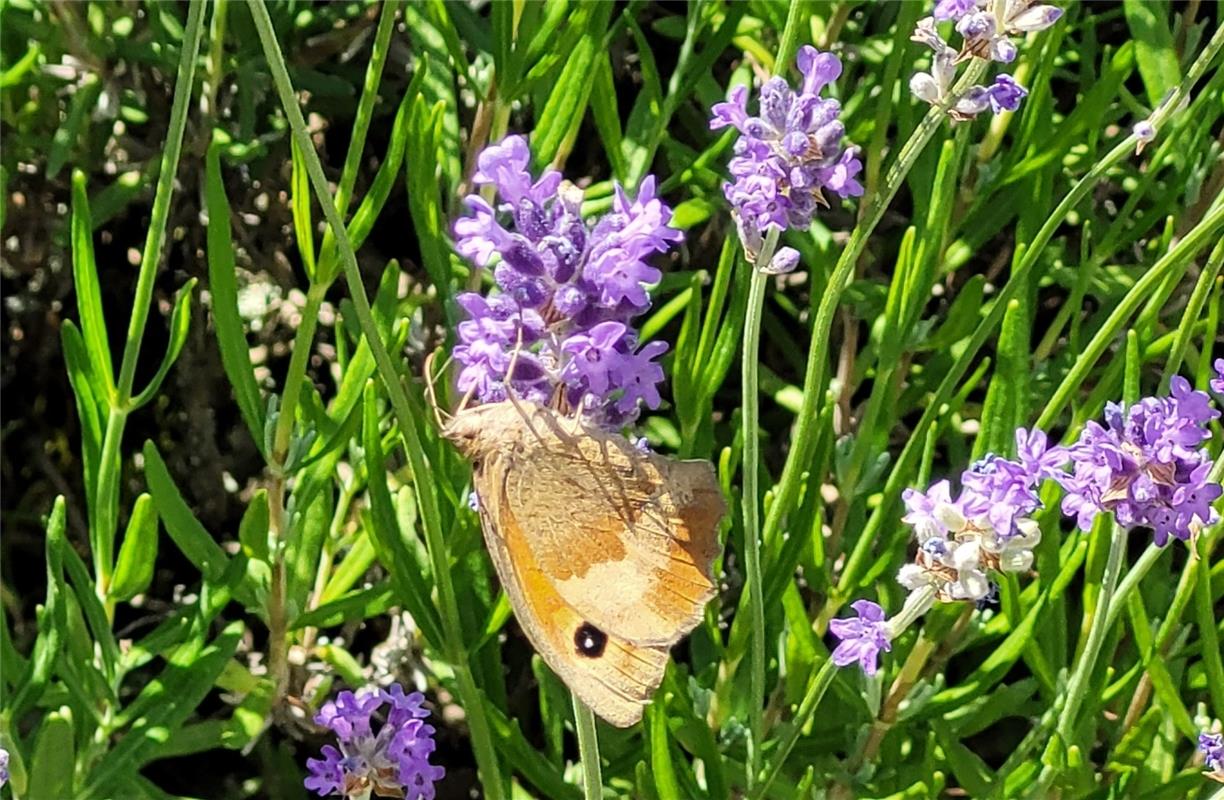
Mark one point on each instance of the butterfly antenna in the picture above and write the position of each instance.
(431, 391)
(511, 395)
(508, 382)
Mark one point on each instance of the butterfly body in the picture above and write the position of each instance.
(605, 552)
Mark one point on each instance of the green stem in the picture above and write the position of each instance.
(816, 689)
(214, 65)
(750, 427)
(103, 536)
(588, 750)
(1128, 583)
(295, 377)
(1075, 692)
(804, 435)
(161, 202)
(361, 126)
(324, 276)
(470, 695)
(788, 45)
(750, 422)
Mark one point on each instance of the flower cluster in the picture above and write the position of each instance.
(986, 28)
(1211, 745)
(788, 156)
(569, 290)
(987, 527)
(4, 772)
(392, 762)
(1146, 466)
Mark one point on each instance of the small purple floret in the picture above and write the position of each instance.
(1211, 745)
(953, 9)
(862, 637)
(1005, 94)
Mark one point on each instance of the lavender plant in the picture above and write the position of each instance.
(973, 447)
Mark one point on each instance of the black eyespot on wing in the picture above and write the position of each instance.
(590, 641)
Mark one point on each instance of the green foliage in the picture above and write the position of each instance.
(1017, 271)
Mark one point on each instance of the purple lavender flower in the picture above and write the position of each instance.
(1145, 465)
(862, 637)
(4, 771)
(1000, 490)
(1217, 383)
(1039, 459)
(985, 34)
(1211, 745)
(953, 9)
(1005, 94)
(987, 527)
(392, 762)
(784, 261)
(569, 290)
(926, 511)
(789, 156)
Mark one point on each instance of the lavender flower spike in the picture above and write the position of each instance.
(569, 291)
(1145, 465)
(787, 158)
(392, 762)
(4, 771)
(862, 637)
(986, 28)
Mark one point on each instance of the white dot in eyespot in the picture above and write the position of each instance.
(590, 641)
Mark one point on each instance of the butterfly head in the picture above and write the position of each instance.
(484, 429)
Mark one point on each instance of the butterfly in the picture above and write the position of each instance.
(605, 552)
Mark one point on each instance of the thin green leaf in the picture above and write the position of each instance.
(52, 621)
(180, 324)
(562, 114)
(1154, 48)
(134, 566)
(299, 200)
(223, 286)
(186, 531)
(51, 769)
(89, 292)
(90, 408)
